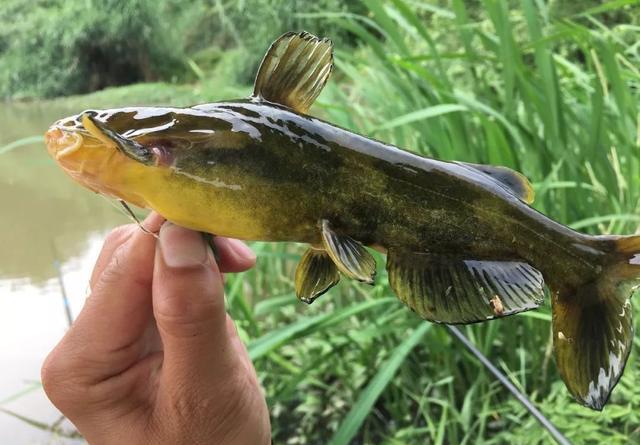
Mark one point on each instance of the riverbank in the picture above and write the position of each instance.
(155, 93)
(556, 99)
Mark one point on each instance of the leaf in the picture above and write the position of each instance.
(358, 413)
(21, 142)
(425, 113)
(42, 426)
(595, 220)
(268, 342)
(274, 304)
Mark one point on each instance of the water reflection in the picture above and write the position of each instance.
(45, 218)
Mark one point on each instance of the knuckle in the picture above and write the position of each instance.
(116, 270)
(226, 403)
(49, 375)
(69, 382)
(179, 316)
(120, 269)
(190, 308)
(119, 234)
(56, 376)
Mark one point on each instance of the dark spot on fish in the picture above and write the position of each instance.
(244, 111)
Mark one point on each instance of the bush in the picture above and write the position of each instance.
(57, 47)
(251, 25)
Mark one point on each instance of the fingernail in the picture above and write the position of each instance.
(241, 249)
(182, 247)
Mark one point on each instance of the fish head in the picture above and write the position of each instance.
(79, 153)
(89, 147)
(125, 152)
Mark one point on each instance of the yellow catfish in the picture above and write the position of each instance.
(462, 243)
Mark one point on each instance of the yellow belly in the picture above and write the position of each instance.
(184, 200)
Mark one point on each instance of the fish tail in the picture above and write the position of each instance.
(592, 322)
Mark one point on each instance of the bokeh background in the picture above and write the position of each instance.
(550, 88)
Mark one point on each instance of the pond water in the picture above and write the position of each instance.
(51, 231)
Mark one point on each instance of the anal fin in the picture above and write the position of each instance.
(450, 289)
(315, 275)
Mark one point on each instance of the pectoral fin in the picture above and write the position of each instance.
(450, 289)
(315, 275)
(294, 70)
(110, 137)
(349, 255)
(515, 182)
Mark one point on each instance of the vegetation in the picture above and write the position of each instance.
(54, 48)
(549, 89)
(77, 47)
(553, 96)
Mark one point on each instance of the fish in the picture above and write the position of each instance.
(462, 242)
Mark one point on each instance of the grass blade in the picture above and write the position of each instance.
(21, 142)
(358, 413)
(425, 113)
(268, 342)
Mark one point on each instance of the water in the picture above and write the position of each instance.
(48, 224)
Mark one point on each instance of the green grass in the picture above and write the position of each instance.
(547, 90)
(555, 97)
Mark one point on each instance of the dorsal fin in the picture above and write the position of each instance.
(516, 182)
(294, 70)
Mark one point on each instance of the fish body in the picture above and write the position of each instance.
(462, 243)
(259, 171)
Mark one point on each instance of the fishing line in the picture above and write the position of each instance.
(128, 213)
(63, 291)
(535, 412)
(135, 218)
(208, 237)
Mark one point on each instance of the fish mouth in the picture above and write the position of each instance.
(62, 143)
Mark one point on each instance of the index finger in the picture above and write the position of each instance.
(118, 237)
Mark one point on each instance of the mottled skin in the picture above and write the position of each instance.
(254, 170)
(259, 171)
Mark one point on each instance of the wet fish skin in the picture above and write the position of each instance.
(462, 243)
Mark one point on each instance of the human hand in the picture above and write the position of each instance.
(153, 358)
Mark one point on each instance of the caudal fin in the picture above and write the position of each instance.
(593, 326)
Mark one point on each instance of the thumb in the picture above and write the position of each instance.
(188, 304)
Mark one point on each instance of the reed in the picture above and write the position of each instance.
(554, 96)
(547, 88)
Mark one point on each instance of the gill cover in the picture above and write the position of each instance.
(109, 137)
